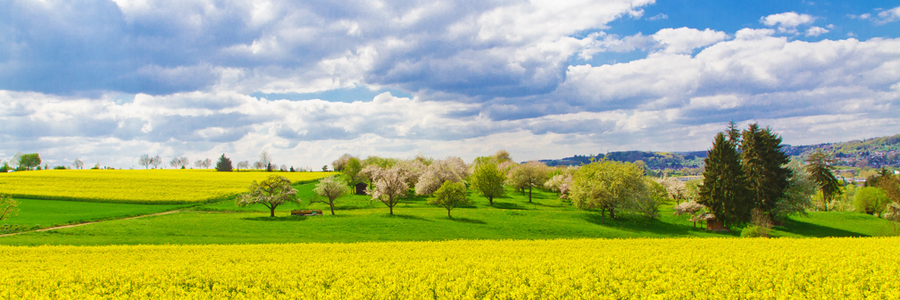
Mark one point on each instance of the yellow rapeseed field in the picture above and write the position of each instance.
(149, 186)
(830, 268)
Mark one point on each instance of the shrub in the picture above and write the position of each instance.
(870, 200)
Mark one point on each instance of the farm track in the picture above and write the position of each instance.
(92, 222)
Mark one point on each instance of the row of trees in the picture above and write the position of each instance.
(606, 186)
(22, 162)
(264, 163)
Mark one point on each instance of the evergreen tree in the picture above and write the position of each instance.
(765, 167)
(820, 171)
(224, 164)
(723, 188)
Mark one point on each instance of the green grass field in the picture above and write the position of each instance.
(358, 219)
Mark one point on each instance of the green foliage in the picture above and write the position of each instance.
(887, 182)
(723, 190)
(224, 164)
(870, 200)
(450, 195)
(608, 186)
(488, 179)
(752, 231)
(820, 169)
(797, 197)
(29, 161)
(764, 167)
(351, 170)
(271, 193)
(8, 207)
(528, 176)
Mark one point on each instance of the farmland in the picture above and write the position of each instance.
(834, 268)
(136, 186)
(512, 250)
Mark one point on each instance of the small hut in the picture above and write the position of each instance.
(361, 188)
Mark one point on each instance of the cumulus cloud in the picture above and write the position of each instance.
(787, 22)
(888, 16)
(685, 40)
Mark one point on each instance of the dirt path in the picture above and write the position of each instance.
(92, 222)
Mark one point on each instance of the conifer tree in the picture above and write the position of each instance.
(820, 171)
(723, 190)
(765, 167)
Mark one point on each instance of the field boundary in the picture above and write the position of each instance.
(91, 222)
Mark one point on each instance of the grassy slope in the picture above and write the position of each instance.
(48, 213)
(358, 219)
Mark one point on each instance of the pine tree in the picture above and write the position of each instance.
(224, 164)
(765, 167)
(723, 186)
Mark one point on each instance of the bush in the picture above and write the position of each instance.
(870, 200)
(752, 231)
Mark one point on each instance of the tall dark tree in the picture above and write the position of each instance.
(820, 170)
(224, 164)
(723, 190)
(765, 166)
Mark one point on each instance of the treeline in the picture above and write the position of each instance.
(265, 162)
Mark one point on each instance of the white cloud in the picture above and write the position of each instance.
(684, 40)
(816, 31)
(890, 15)
(787, 22)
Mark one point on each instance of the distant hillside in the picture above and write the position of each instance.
(653, 160)
(872, 153)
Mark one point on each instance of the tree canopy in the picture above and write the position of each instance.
(608, 186)
(271, 193)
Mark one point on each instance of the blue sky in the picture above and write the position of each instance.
(108, 81)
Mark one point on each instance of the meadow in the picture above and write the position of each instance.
(358, 219)
(680, 268)
(166, 186)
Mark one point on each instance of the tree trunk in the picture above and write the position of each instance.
(272, 211)
(331, 204)
(392, 209)
(448, 214)
(529, 194)
(612, 213)
(824, 200)
(491, 200)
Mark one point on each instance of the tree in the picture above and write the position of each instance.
(224, 164)
(156, 161)
(8, 207)
(797, 196)
(764, 166)
(206, 163)
(870, 200)
(608, 186)
(179, 162)
(819, 167)
(488, 179)
(271, 193)
(243, 165)
(330, 187)
(78, 164)
(342, 161)
(529, 175)
(451, 168)
(887, 182)
(29, 161)
(450, 195)
(692, 208)
(388, 185)
(265, 160)
(145, 161)
(723, 190)
(350, 169)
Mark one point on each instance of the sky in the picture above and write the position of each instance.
(307, 81)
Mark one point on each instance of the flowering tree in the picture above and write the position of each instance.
(330, 187)
(696, 210)
(271, 193)
(388, 185)
(448, 169)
